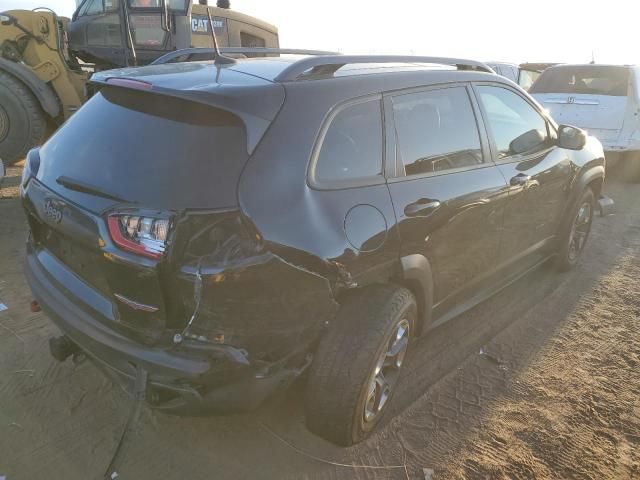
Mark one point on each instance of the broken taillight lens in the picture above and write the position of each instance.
(142, 235)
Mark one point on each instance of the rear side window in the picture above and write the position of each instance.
(436, 131)
(517, 128)
(155, 150)
(352, 145)
(587, 79)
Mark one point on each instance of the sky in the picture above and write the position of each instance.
(489, 30)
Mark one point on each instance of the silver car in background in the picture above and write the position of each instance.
(524, 74)
(602, 99)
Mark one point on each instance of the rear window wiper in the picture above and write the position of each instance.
(79, 186)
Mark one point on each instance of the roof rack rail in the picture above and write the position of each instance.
(210, 52)
(327, 65)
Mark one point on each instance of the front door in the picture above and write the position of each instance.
(537, 171)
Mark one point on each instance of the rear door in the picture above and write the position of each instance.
(538, 172)
(448, 195)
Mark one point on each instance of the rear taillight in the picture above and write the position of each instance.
(142, 235)
(31, 166)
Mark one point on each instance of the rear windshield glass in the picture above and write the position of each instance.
(155, 150)
(594, 80)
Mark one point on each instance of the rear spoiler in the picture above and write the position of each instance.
(257, 108)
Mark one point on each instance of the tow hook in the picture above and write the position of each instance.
(62, 348)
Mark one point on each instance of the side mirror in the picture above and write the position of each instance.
(571, 138)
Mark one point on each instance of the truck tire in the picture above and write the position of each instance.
(358, 362)
(575, 231)
(22, 122)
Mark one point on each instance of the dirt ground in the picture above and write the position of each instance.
(555, 392)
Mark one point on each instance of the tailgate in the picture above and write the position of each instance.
(604, 112)
(73, 246)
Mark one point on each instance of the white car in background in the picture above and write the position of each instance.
(602, 99)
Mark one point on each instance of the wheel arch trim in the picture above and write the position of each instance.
(43, 92)
(416, 273)
(580, 182)
(593, 173)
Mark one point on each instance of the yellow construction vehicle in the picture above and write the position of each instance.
(46, 60)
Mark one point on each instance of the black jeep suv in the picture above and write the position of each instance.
(222, 227)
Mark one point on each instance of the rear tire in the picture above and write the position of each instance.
(357, 364)
(22, 122)
(576, 231)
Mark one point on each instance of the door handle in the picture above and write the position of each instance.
(520, 179)
(421, 208)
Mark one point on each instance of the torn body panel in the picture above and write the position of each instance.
(262, 304)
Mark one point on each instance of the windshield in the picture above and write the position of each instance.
(587, 79)
(158, 151)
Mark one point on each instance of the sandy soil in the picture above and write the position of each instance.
(555, 393)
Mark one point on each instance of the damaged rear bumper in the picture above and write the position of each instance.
(189, 379)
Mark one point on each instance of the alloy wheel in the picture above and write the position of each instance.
(580, 230)
(386, 372)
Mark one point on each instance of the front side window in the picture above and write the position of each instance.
(436, 131)
(352, 145)
(517, 128)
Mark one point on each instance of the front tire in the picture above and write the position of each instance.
(576, 231)
(357, 364)
(22, 123)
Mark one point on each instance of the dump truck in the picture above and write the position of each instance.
(46, 60)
